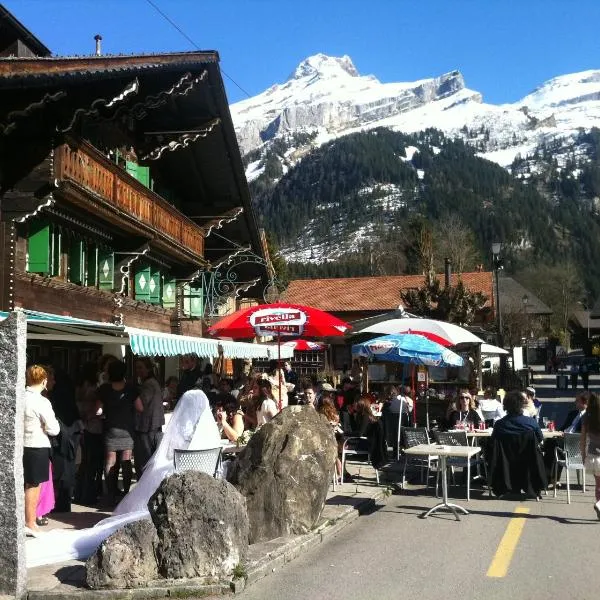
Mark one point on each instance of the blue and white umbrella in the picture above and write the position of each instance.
(410, 349)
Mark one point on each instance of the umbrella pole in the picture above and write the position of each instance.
(279, 404)
(414, 396)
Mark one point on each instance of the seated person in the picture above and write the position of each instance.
(363, 416)
(572, 424)
(465, 413)
(574, 419)
(491, 407)
(517, 464)
(230, 419)
(330, 412)
(402, 398)
(309, 397)
(515, 422)
(531, 409)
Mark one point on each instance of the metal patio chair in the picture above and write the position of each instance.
(459, 438)
(205, 461)
(569, 458)
(413, 436)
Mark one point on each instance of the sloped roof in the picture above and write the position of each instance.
(511, 298)
(358, 294)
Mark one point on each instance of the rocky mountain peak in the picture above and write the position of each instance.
(325, 67)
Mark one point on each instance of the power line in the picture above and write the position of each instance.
(191, 41)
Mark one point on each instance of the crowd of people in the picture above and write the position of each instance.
(85, 442)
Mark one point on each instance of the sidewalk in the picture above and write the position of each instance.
(345, 504)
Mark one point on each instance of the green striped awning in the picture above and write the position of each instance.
(153, 343)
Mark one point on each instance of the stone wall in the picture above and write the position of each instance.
(13, 339)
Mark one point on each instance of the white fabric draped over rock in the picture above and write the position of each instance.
(192, 426)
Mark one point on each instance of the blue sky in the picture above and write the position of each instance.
(504, 48)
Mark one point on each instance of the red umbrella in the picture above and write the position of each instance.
(280, 320)
(305, 345)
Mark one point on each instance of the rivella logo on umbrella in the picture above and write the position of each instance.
(382, 347)
(284, 321)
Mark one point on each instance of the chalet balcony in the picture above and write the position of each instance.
(81, 164)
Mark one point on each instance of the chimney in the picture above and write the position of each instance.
(447, 272)
(98, 39)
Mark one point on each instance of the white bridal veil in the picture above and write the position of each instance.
(191, 427)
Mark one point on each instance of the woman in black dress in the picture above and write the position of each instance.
(116, 402)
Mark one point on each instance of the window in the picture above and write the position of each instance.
(44, 248)
(148, 284)
(193, 301)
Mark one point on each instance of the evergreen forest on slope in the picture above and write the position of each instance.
(544, 211)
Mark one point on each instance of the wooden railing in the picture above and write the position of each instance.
(82, 164)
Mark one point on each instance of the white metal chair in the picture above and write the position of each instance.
(413, 436)
(459, 438)
(569, 458)
(205, 461)
(352, 447)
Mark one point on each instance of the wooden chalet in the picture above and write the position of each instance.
(123, 198)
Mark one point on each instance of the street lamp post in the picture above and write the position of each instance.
(525, 300)
(496, 266)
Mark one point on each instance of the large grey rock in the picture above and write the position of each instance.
(125, 559)
(202, 526)
(285, 471)
(13, 338)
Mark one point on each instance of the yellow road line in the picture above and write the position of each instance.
(508, 544)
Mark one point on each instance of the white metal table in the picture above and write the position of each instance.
(443, 452)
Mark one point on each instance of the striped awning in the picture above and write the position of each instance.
(143, 342)
(153, 343)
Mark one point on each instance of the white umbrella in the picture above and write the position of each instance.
(490, 349)
(446, 334)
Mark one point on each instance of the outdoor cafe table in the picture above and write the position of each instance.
(486, 433)
(443, 452)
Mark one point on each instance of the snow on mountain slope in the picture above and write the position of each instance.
(327, 96)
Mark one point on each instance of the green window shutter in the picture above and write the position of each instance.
(142, 283)
(143, 175)
(196, 302)
(38, 248)
(155, 285)
(131, 168)
(169, 292)
(77, 262)
(56, 251)
(106, 270)
(91, 279)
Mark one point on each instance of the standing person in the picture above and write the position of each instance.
(39, 423)
(191, 373)
(310, 397)
(61, 393)
(585, 374)
(267, 405)
(103, 363)
(150, 415)
(278, 385)
(574, 375)
(115, 401)
(170, 393)
(590, 443)
(291, 379)
(92, 456)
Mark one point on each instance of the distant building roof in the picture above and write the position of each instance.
(12, 31)
(511, 297)
(585, 320)
(362, 294)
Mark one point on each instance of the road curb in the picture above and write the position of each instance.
(291, 548)
(265, 558)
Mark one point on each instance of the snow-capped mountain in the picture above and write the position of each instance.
(326, 97)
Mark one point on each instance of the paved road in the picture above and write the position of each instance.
(392, 553)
